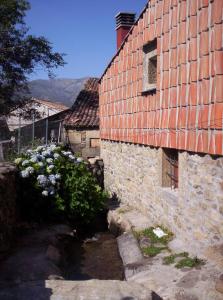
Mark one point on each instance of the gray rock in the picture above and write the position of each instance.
(185, 296)
(129, 249)
(189, 280)
(219, 284)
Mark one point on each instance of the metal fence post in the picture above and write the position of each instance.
(47, 125)
(19, 135)
(33, 129)
(59, 134)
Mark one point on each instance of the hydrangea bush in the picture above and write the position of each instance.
(59, 181)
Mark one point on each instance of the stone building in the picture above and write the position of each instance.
(82, 121)
(161, 124)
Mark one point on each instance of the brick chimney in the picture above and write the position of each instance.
(124, 22)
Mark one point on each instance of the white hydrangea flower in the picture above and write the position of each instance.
(56, 155)
(57, 176)
(24, 174)
(53, 147)
(66, 153)
(52, 179)
(34, 159)
(39, 148)
(51, 190)
(42, 180)
(40, 164)
(29, 151)
(25, 163)
(45, 193)
(18, 160)
(71, 157)
(49, 160)
(46, 153)
(30, 170)
(51, 167)
(79, 159)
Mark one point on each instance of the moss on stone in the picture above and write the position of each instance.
(148, 232)
(189, 262)
(168, 260)
(153, 250)
(185, 261)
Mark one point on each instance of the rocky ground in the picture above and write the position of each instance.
(33, 270)
(201, 283)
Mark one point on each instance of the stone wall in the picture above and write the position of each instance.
(194, 211)
(7, 204)
(96, 166)
(84, 148)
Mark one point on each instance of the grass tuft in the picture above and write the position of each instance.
(153, 250)
(189, 262)
(168, 260)
(148, 232)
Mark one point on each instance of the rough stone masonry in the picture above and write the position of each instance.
(194, 211)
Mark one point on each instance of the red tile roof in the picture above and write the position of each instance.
(85, 110)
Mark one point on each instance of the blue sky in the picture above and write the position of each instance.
(83, 29)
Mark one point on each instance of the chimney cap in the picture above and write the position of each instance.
(125, 19)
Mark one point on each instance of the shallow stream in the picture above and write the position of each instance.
(94, 258)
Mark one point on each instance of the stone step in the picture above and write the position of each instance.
(77, 290)
(125, 219)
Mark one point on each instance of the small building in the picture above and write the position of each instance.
(161, 118)
(22, 116)
(82, 122)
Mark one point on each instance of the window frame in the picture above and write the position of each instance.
(90, 140)
(170, 168)
(149, 53)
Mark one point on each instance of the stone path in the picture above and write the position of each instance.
(29, 273)
(170, 283)
(74, 290)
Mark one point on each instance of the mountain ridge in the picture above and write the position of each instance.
(62, 90)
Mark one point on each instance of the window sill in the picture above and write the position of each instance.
(149, 89)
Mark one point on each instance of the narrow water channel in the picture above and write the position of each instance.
(94, 258)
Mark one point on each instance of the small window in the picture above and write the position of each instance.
(83, 137)
(94, 143)
(170, 168)
(150, 66)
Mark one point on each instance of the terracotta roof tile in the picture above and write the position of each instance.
(85, 110)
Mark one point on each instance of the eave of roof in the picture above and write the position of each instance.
(124, 41)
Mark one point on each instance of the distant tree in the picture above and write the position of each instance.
(20, 54)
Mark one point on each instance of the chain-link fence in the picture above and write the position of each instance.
(25, 136)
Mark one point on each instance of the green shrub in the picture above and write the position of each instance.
(80, 195)
(56, 183)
